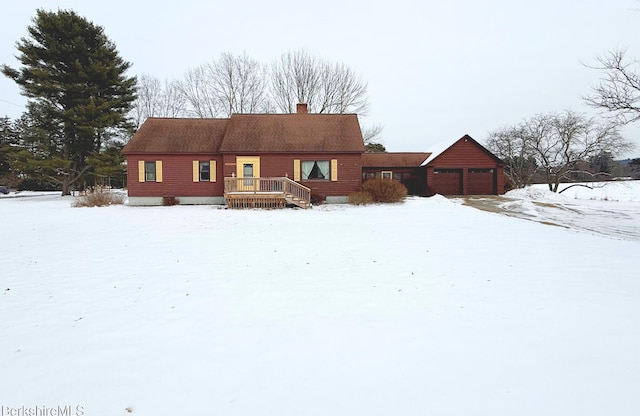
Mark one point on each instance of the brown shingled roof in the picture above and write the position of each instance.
(392, 160)
(298, 133)
(178, 135)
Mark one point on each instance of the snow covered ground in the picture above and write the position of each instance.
(426, 307)
(607, 208)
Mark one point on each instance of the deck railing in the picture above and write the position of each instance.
(288, 189)
(295, 190)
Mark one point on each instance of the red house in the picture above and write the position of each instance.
(271, 160)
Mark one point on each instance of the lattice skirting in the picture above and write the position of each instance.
(255, 201)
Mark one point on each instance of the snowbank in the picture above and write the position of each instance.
(624, 191)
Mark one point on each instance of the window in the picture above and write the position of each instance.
(205, 171)
(316, 169)
(150, 171)
(480, 170)
(387, 174)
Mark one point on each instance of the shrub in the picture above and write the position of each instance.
(99, 199)
(168, 201)
(360, 198)
(317, 199)
(385, 190)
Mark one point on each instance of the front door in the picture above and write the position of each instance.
(248, 168)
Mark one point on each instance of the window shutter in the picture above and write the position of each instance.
(212, 171)
(296, 169)
(158, 170)
(196, 171)
(141, 171)
(334, 170)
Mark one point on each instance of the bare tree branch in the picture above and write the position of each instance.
(618, 92)
(200, 93)
(372, 134)
(240, 84)
(298, 77)
(157, 100)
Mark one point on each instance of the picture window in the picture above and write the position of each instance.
(316, 170)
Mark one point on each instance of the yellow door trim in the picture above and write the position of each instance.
(240, 162)
(248, 185)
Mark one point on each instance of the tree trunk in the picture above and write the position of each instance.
(66, 188)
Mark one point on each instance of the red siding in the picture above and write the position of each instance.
(500, 185)
(177, 176)
(276, 165)
(464, 153)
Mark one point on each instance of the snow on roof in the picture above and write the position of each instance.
(437, 149)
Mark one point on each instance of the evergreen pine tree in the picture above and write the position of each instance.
(75, 77)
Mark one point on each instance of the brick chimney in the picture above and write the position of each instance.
(301, 108)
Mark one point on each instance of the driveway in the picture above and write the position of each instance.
(611, 218)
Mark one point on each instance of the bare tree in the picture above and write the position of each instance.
(298, 77)
(231, 84)
(514, 145)
(157, 100)
(372, 134)
(199, 90)
(618, 92)
(173, 101)
(295, 78)
(559, 143)
(240, 83)
(342, 91)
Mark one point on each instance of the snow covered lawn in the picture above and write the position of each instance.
(428, 307)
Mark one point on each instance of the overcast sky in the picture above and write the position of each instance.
(436, 70)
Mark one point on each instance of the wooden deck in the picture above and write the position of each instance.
(265, 193)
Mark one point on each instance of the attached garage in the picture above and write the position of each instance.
(464, 168)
